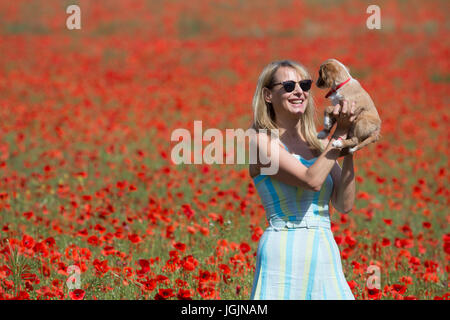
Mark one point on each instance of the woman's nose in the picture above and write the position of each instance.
(297, 88)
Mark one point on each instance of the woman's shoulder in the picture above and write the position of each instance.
(263, 140)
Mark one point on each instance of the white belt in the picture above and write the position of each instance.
(305, 222)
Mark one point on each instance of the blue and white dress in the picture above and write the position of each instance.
(297, 256)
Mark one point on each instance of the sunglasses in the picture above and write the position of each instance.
(289, 85)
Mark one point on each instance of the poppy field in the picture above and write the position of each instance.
(91, 204)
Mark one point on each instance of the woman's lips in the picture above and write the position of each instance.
(296, 102)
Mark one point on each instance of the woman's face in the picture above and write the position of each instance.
(293, 102)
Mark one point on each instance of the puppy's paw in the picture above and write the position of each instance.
(352, 150)
(337, 144)
(328, 123)
(322, 135)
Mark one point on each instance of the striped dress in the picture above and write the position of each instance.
(297, 256)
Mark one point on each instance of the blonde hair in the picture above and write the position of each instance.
(264, 113)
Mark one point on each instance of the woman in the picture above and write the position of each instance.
(297, 255)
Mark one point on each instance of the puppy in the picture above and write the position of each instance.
(367, 125)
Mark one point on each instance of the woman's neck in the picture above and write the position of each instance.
(290, 131)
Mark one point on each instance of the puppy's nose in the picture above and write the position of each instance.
(319, 82)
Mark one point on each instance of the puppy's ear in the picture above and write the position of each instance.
(329, 74)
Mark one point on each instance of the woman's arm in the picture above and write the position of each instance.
(321, 168)
(327, 160)
(344, 187)
(344, 190)
(288, 170)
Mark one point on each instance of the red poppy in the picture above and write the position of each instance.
(45, 270)
(207, 291)
(134, 238)
(163, 294)
(406, 280)
(352, 284)
(204, 275)
(257, 233)
(188, 264)
(101, 267)
(216, 217)
(77, 294)
(149, 284)
(238, 289)
(83, 232)
(244, 247)
(363, 195)
(28, 215)
(187, 210)
(50, 241)
(121, 184)
(224, 268)
(180, 246)
(191, 230)
(404, 243)
(81, 174)
(380, 180)
(145, 266)
(23, 295)
(338, 239)
(169, 231)
(204, 231)
(100, 228)
(374, 293)
(93, 241)
(184, 294)
(162, 279)
(181, 283)
(41, 248)
(401, 289)
(27, 242)
(426, 225)
(350, 241)
(166, 293)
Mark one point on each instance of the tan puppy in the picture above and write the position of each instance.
(367, 125)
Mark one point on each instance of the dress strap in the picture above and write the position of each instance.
(283, 145)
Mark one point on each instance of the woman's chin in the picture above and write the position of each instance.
(298, 108)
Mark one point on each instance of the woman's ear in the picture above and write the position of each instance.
(267, 95)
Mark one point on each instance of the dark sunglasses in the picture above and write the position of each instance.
(289, 85)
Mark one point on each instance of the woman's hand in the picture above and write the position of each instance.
(345, 118)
